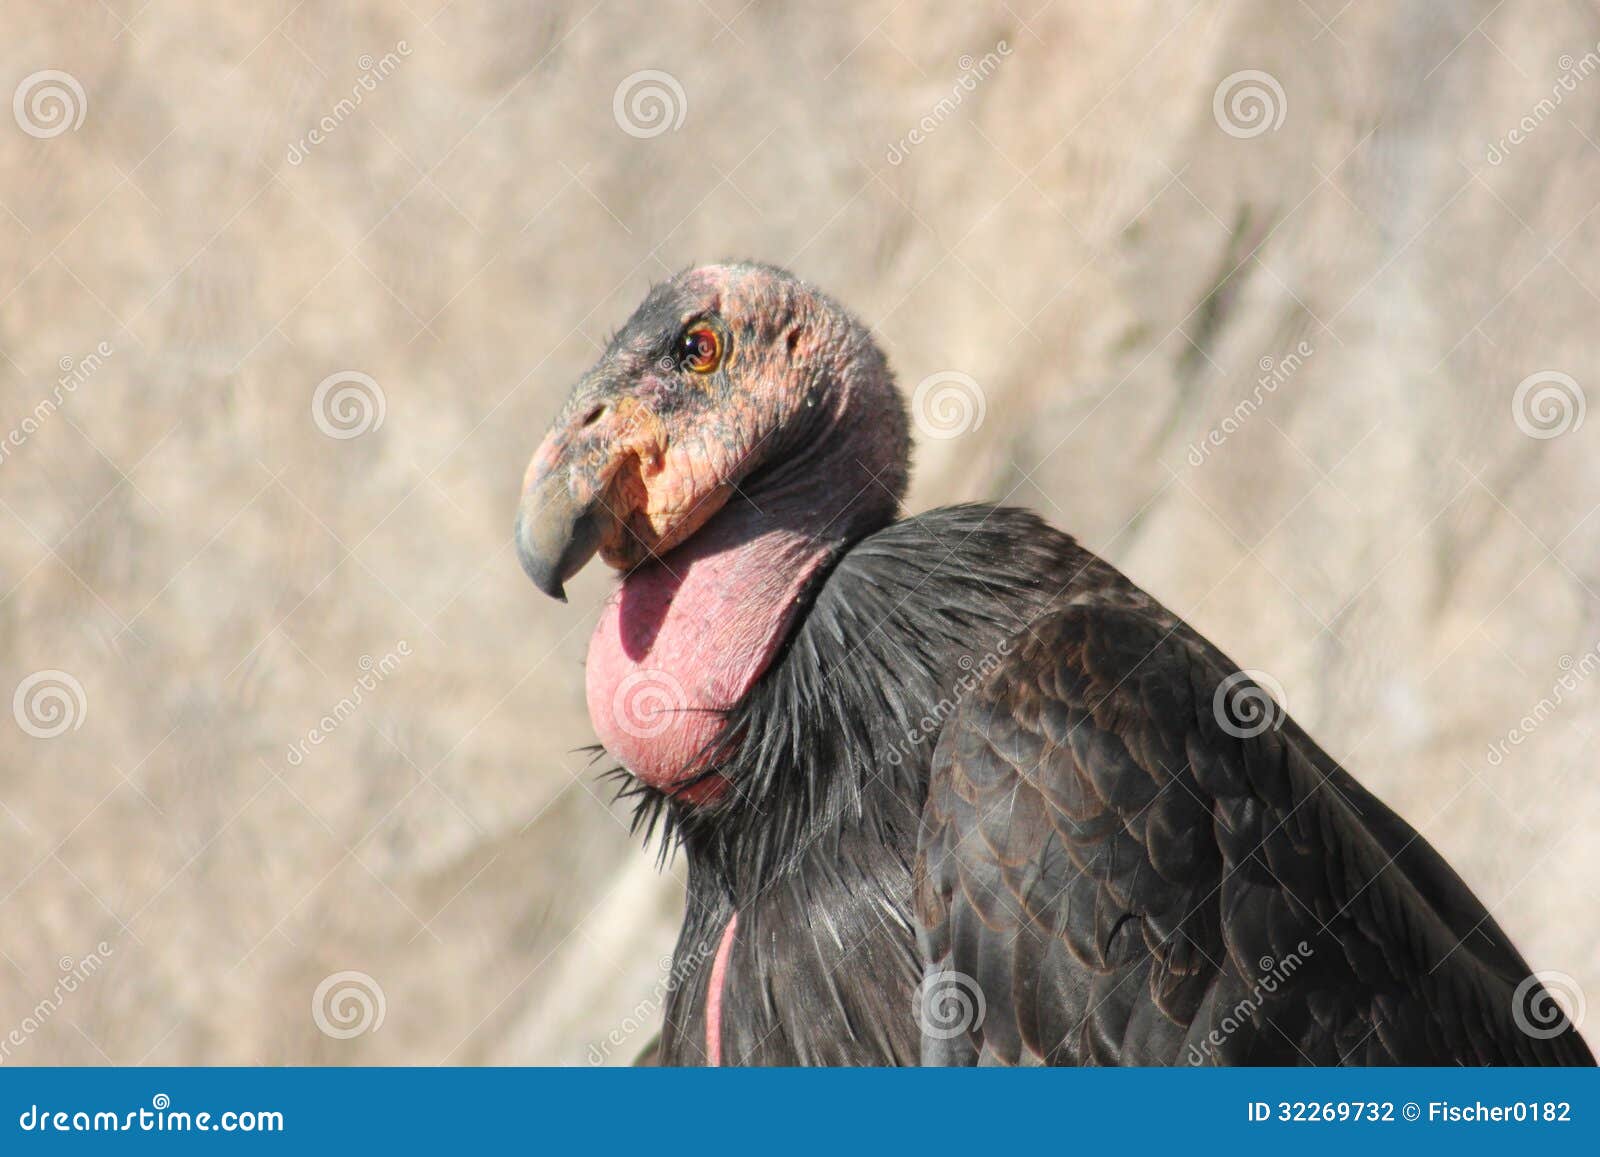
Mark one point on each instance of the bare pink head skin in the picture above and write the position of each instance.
(739, 432)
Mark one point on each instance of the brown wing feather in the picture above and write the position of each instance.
(1128, 882)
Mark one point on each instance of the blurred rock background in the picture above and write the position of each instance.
(1114, 235)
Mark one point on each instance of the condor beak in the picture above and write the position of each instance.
(557, 531)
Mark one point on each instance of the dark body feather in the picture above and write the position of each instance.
(986, 758)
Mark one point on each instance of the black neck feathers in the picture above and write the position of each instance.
(837, 737)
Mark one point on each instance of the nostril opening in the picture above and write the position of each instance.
(594, 415)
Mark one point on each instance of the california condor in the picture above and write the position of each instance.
(951, 789)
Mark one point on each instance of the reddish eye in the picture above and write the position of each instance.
(700, 349)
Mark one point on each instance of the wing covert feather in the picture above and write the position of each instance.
(1129, 881)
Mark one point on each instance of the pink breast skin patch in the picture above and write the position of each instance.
(719, 976)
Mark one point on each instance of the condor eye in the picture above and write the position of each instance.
(700, 349)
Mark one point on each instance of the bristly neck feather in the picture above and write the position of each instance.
(839, 733)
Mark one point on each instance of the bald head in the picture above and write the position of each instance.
(728, 379)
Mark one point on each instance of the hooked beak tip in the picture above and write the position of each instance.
(555, 537)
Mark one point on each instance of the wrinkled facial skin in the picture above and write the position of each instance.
(733, 388)
(646, 449)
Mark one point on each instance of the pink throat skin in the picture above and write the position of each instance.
(684, 637)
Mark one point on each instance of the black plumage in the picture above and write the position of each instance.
(987, 758)
(977, 797)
